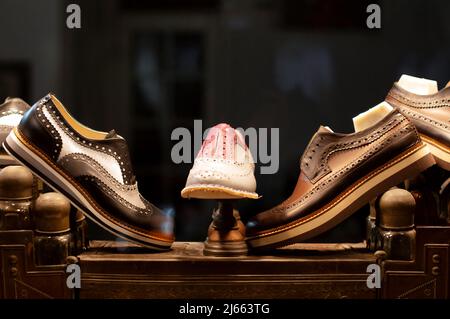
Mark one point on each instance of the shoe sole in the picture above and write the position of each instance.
(31, 157)
(409, 164)
(440, 152)
(212, 191)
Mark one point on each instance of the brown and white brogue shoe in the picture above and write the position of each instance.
(92, 169)
(429, 110)
(339, 174)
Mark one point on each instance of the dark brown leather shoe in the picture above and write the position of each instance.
(11, 112)
(431, 115)
(339, 174)
(92, 169)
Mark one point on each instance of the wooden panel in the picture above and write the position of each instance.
(111, 271)
(21, 279)
(427, 276)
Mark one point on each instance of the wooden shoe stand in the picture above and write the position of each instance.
(226, 234)
(408, 236)
(39, 231)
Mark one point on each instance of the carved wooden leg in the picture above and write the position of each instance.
(226, 234)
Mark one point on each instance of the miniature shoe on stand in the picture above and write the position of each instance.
(429, 110)
(11, 112)
(92, 169)
(340, 173)
(223, 168)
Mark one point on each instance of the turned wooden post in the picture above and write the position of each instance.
(397, 236)
(16, 194)
(52, 240)
(226, 234)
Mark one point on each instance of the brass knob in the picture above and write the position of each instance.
(52, 212)
(16, 183)
(397, 207)
(436, 259)
(435, 271)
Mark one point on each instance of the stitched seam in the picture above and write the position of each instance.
(224, 161)
(438, 103)
(205, 173)
(423, 118)
(6, 113)
(52, 132)
(344, 146)
(103, 171)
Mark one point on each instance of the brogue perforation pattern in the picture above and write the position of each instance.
(420, 117)
(126, 170)
(323, 168)
(108, 190)
(421, 102)
(50, 129)
(353, 165)
(99, 168)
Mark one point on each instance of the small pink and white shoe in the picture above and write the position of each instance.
(223, 169)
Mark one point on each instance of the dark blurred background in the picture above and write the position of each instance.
(147, 67)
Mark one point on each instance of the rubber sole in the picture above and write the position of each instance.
(211, 191)
(409, 164)
(36, 161)
(440, 152)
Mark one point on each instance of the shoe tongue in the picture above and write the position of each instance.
(372, 116)
(325, 129)
(418, 86)
(111, 134)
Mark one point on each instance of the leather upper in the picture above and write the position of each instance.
(429, 113)
(100, 166)
(332, 162)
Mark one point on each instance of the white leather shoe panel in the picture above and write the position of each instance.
(222, 172)
(69, 146)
